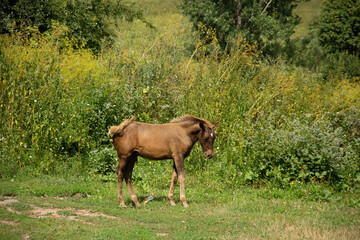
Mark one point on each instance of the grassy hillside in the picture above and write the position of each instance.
(308, 12)
(169, 24)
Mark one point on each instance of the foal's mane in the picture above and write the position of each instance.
(119, 129)
(190, 118)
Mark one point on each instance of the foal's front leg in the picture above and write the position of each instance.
(174, 178)
(179, 163)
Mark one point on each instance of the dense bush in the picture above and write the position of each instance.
(302, 151)
(103, 163)
(341, 65)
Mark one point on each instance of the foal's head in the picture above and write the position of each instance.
(207, 138)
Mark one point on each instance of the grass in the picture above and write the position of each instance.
(169, 25)
(244, 213)
(308, 12)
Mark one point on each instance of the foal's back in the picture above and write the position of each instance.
(153, 141)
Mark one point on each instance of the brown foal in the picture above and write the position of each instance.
(172, 140)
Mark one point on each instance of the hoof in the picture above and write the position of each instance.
(172, 203)
(183, 201)
(185, 204)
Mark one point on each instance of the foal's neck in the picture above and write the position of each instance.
(193, 129)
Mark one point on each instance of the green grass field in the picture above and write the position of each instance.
(49, 208)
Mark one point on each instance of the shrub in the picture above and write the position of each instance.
(300, 151)
(103, 162)
(340, 65)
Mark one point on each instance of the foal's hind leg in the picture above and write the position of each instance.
(174, 178)
(120, 176)
(128, 174)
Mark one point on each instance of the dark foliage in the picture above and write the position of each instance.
(89, 22)
(270, 23)
(339, 26)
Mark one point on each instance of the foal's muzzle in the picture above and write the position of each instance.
(209, 154)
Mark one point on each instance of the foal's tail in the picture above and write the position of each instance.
(118, 129)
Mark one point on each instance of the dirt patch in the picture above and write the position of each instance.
(162, 234)
(41, 212)
(77, 195)
(6, 222)
(8, 201)
(56, 213)
(84, 212)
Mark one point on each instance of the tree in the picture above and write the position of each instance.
(268, 22)
(339, 26)
(89, 21)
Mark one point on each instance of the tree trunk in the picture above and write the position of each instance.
(238, 14)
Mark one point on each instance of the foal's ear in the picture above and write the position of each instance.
(216, 123)
(202, 126)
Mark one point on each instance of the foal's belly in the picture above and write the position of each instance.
(153, 154)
